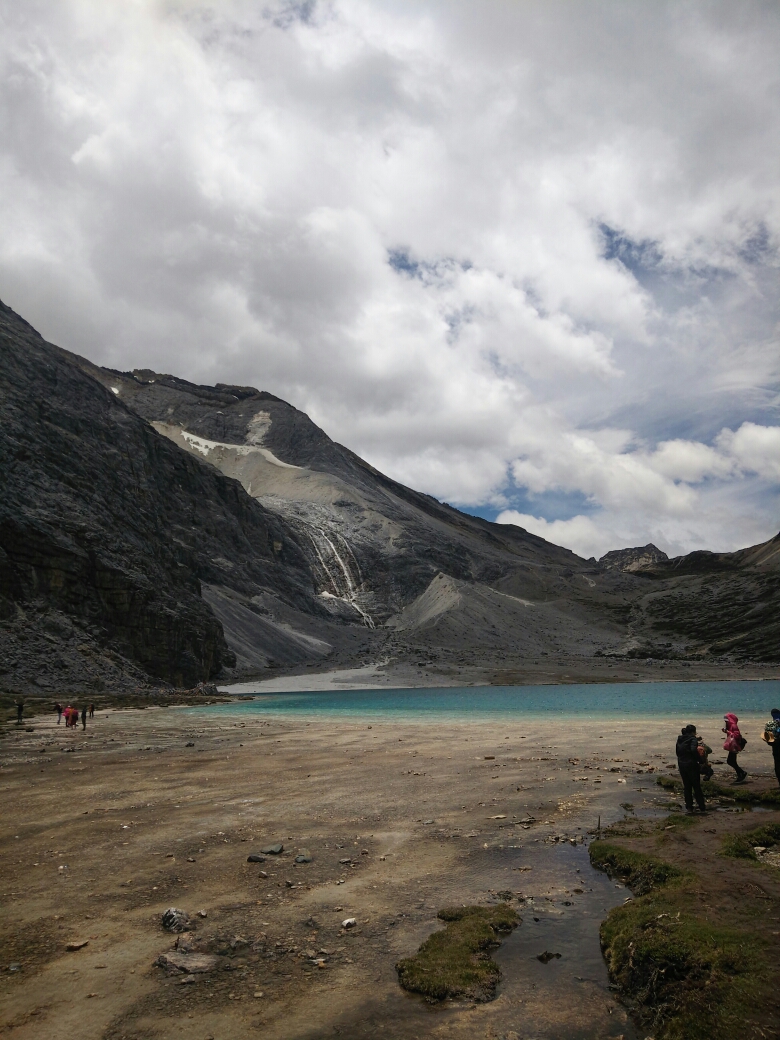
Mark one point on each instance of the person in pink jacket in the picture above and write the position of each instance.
(734, 743)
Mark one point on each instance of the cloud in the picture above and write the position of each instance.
(507, 252)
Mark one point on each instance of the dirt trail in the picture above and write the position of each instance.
(105, 830)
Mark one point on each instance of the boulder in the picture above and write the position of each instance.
(189, 963)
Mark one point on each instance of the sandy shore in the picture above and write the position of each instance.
(103, 831)
(390, 674)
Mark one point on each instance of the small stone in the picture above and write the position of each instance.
(546, 957)
(187, 979)
(174, 920)
(262, 874)
(202, 913)
(288, 884)
(71, 947)
(190, 859)
(273, 850)
(349, 922)
(190, 743)
(14, 967)
(304, 856)
(348, 859)
(190, 963)
(255, 858)
(258, 994)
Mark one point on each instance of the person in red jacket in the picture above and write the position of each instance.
(734, 743)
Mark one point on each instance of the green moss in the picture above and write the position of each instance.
(686, 978)
(638, 870)
(742, 795)
(679, 821)
(455, 962)
(740, 846)
(690, 979)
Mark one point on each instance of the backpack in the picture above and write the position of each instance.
(742, 742)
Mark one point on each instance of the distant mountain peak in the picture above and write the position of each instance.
(635, 559)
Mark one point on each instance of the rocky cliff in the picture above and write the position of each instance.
(107, 531)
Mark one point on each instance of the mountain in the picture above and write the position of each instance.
(716, 604)
(154, 529)
(107, 531)
(631, 560)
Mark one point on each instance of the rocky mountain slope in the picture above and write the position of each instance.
(107, 531)
(153, 527)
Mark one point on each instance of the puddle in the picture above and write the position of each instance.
(567, 997)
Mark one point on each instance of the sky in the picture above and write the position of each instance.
(522, 255)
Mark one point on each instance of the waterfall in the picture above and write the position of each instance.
(335, 569)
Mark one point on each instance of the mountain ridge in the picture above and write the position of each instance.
(245, 541)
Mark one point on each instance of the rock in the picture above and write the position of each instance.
(304, 856)
(262, 874)
(190, 743)
(71, 947)
(349, 922)
(255, 858)
(347, 859)
(202, 913)
(174, 920)
(14, 967)
(546, 957)
(191, 963)
(273, 850)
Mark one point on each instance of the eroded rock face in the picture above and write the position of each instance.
(105, 522)
(631, 560)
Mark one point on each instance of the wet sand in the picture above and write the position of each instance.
(103, 831)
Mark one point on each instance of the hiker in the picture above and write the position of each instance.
(705, 769)
(58, 709)
(68, 717)
(771, 735)
(734, 743)
(19, 712)
(92, 711)
(688, 763)
(84, 717)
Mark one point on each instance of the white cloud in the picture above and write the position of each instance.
(581, 199)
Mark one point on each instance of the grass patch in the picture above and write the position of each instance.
(636, 869)
(740, 846)
(683, 977)
(739, 794)
(455, 962)
(687, 979)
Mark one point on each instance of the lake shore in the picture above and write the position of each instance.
(407, 675)
(160, 807)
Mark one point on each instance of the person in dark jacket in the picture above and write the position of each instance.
(688, 764)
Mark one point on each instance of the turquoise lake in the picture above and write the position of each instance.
(587, 700)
